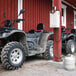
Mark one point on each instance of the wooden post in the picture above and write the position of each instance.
(57, 35)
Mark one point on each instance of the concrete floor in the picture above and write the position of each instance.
(35, 66)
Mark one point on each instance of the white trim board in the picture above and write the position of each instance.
(64, 7)
(20, 6)
(74, 19)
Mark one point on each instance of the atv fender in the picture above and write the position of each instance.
(70, 36)
(7, 34)
(44, 39)
(16, 35)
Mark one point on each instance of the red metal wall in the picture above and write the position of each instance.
(37, 11)
(10, 7)
(70, 18)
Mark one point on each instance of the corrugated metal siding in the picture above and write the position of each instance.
(10, 7)
(37, 11)
(70, 18)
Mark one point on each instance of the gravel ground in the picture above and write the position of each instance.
(35, 66)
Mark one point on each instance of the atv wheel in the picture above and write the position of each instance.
(49, 50)
(13, 55)
(70, 47)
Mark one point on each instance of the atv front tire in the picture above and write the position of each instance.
(49, 50)
(13, 55)
(70, 47)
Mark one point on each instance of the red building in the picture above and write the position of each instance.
(38, 11)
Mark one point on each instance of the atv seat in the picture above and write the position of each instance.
(73, 31)
(35, 34)
(40, 27)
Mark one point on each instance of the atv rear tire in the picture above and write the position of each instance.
(49, 50)
(13, 55)
(70, 47)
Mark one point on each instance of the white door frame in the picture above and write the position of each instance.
(74, 20)
(20, 6)
(64, 7)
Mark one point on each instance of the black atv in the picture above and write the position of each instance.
(16, 45)
(68, 42)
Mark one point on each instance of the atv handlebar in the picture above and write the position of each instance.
(9, 23)
(18, 20)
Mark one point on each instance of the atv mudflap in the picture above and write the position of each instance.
(44, 40)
